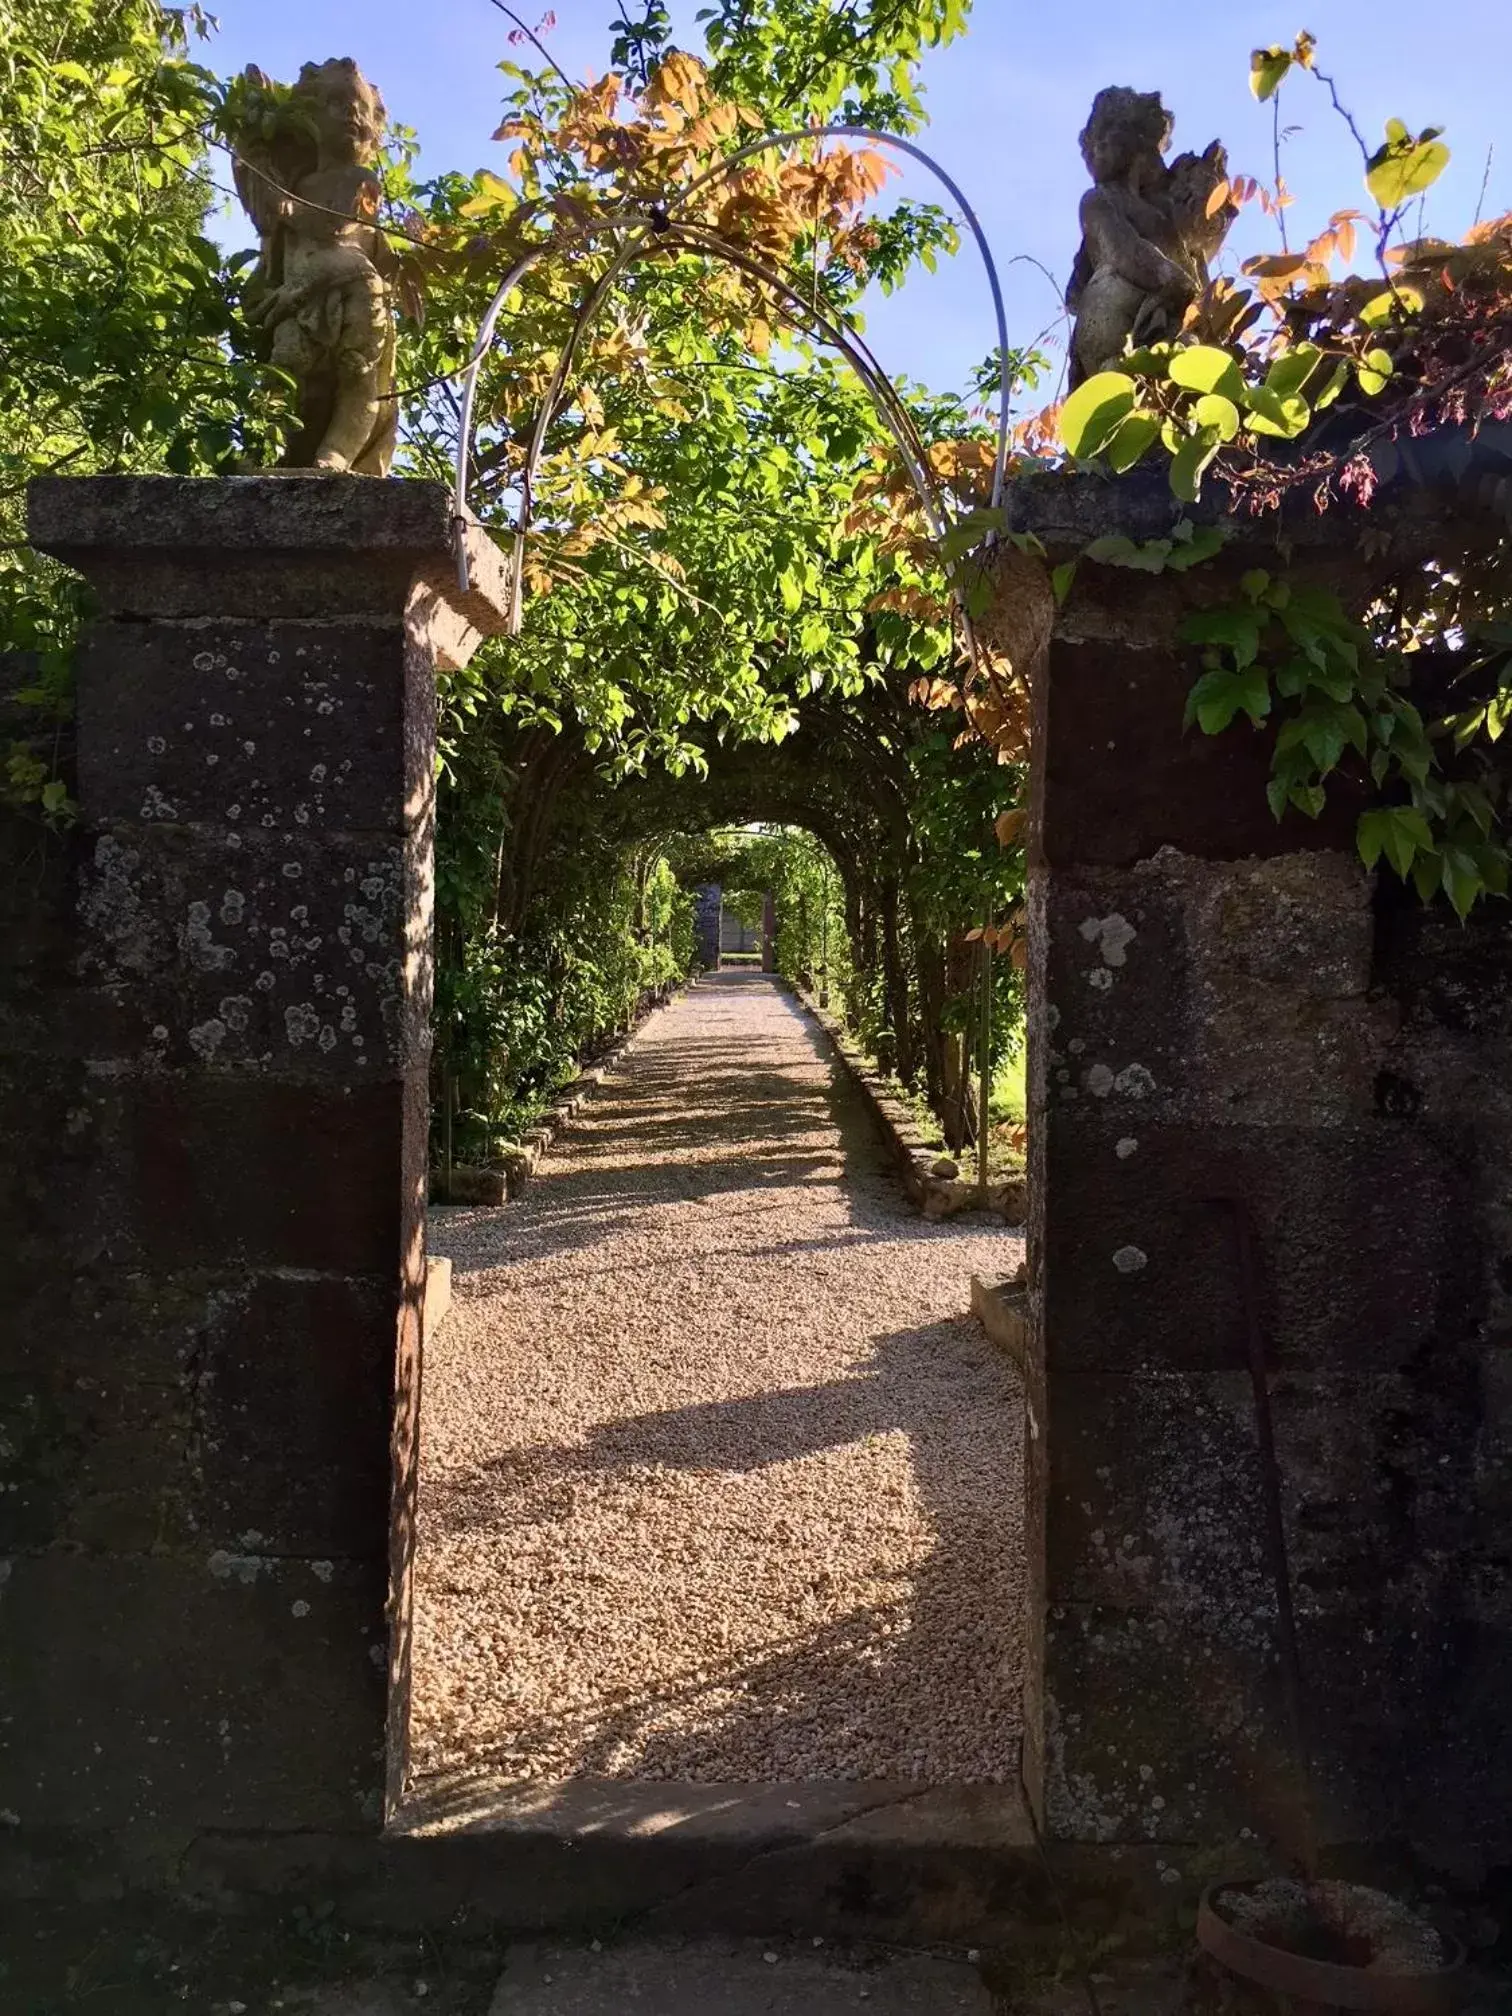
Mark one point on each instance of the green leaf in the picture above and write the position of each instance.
(1427, 876)
(1373, 370)
(1060, 580)
(1471, 799)
(1335, 384)
(1269, 413)
(1292, 369)
(1268, 67)
(1402, 298)
(1190, 462)
(1115, 549)
(1319, 732)
(1404, 167)
(1238, 630)
(1199, 367)
(1370, 834)
(1130, 439)
(1221, 414)
(1463, 881)
(1403, 832)
(1219, 695)
(1192, 544)
(1094, 409)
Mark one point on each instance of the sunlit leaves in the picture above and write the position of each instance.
(1199, 368)
(1284, 415)
(1403, 166)
(1269, 67)
(1094, 409)
(1373, 371)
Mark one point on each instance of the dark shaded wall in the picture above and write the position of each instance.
(708, 920)
(1232, 1023)
(213, 1062)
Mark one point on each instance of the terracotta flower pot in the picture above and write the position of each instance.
(1331, 1946)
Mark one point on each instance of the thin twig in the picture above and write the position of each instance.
(1480, 201)
(1346, 115)
(532, 37)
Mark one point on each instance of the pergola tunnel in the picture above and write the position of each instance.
(719, 1479)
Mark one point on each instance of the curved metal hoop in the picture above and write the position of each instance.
(642, 227)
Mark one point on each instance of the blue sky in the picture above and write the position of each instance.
(1006, 103)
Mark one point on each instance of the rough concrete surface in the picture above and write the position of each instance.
(732, 1978)
(718, 1482)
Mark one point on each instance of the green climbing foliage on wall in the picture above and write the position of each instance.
(1305, 384)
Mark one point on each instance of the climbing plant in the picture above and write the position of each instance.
(119, 348)
(1292, 380)
(701, 567)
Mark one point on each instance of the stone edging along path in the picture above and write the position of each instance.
(909, 1144)
(496, 1182)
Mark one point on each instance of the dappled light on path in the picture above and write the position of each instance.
(717, 1481)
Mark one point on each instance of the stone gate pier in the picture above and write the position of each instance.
(214, 1108)
(1271, 1118)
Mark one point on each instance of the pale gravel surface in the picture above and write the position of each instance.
(717, 1482)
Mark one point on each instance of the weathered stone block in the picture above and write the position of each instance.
(1361, 1237)
(1153, 1496)
(275, 725)
(196, 1170)
(294, 1391)
(232, 1689)
(197, 1409)
(1379, 1484)
(1408, 1729)
(1230, 990)
(1154, 1732)
(265, 547)
(302, 954)
(1121, 780)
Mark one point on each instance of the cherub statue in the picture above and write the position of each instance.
(1147, 235)
(320, 294)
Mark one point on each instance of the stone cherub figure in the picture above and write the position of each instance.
(1147, 235)
(320, 296)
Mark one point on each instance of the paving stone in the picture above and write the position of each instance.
(733, 1978)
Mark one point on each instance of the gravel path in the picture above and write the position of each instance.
(717, 1483)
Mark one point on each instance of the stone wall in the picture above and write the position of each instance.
(213, 1090)
(1238, 1037)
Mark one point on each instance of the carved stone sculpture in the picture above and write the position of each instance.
(320, 295)
(1147, 235)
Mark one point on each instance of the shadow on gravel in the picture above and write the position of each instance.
(917, 1677)
(871, 1676)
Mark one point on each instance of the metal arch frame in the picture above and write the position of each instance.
(642, 228)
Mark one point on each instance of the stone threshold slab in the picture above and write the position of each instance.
(761, 1816)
